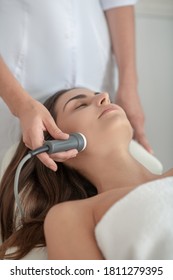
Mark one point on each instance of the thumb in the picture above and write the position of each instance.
(141, 138)
(54, 130)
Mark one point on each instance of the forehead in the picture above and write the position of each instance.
(70, 94)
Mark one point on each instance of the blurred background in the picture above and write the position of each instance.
(154, 46)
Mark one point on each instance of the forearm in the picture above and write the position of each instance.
(10, 90)
(122, 31)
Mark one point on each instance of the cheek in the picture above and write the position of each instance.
(74, 123)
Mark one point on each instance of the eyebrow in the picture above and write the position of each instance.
(79, 96)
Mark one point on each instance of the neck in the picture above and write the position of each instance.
(117, 170)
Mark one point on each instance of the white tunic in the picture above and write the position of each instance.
(52, 45)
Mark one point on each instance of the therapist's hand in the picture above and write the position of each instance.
(35, 119)
(128, 98)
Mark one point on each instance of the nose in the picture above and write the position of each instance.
(102, 99)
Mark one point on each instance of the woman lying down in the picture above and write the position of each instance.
(100, 204)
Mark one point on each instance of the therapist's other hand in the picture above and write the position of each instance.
(35, 119)
(128, 98)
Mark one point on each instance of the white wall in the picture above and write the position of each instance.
(154, 41)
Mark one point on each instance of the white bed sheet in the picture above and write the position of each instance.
(140, 225)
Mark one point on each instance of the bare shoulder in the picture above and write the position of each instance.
(70, 207)
(72, 211)
(87, 212)
(69, 231)
(69, 227)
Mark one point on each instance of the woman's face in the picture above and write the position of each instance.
(82, 110)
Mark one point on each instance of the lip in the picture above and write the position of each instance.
(112, 107)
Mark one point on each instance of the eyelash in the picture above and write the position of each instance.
(81, 105)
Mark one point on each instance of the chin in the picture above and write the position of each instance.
(121, 131)
(121, 124)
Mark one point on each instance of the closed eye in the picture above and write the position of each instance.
(81, 105)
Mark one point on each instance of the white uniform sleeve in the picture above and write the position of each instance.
(108, 4)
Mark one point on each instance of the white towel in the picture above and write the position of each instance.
(140, 225)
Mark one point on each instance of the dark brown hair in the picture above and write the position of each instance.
(39, 189)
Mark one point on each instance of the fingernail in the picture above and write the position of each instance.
(53, 167)
(63, 134)
(75, 154)
(151, 151)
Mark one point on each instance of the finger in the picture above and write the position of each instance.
(141, 138)
(47, 161)
(63, 156)
(144, 142)
(43, 157)
(33, 137)
(27, 141)
(32, 144)
(139, 135)
(53, 129)
(37, 140)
